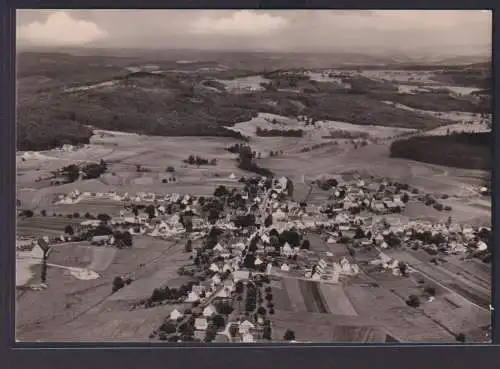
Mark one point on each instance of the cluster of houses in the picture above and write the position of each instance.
(335, 220)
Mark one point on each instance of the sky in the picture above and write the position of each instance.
(447, 31)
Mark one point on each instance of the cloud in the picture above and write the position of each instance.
(240, 23)
(61, 29)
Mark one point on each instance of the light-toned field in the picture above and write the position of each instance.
(250, 83)
(321, 128)
(336, 299)
(295, 295)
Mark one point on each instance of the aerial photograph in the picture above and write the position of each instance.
(252, 176)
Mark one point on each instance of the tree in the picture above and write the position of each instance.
(225, 308)
(118, 283)
(239, 287)
(233, 330)
(267, 333)
(405, 198)
(306, 245)
(289, 335)
(71, 172)
(431, 291)
(210, 334)
(460, 337)
(44, 213)
(189, 246)
(69, 230)
(103, 217)
(28, 213)
(359, 233)
(168, 328)
(150, 211)
(403, 268)
(170, 169)
(413, 301)
(221, 191)
(218, 321)
(268, 221)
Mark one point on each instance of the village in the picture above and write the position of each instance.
(242, 241)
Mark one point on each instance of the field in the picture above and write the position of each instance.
(377, 299)
(68, 302)
(309, 300)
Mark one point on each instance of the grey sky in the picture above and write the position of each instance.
(446, 31)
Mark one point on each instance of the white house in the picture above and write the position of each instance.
(481, 246)
(216, 279)
(223, 293)
(247, 338)
(214, 268)
(209, 311)
(245, 327)
(176, 314)
(286, 250)
(201, 324)
(218, 248)
(239, 275)
(285, 267)
(315, 277)
(192, 297)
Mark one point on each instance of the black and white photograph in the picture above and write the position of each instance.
(254, 176)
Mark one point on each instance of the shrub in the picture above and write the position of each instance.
(413, 301)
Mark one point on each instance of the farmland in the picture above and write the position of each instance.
(173, 147)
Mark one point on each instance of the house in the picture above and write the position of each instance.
(247, 338)
(176, 314)
(258, 261)
(239, 275)
(223, 293)
(216, 279)
(286, 250)
(245, 327)
(201, 324)
(285, 267)
(200, 334)
(192, 297)
(315, 277)
(214, 268)
(90, 223)
(209, 311)
(197, 289)
(481, 246)
(218, 248)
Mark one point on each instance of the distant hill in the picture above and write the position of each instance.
(171, 104)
